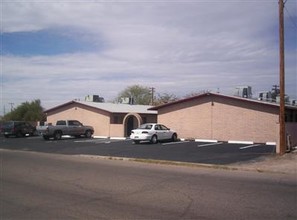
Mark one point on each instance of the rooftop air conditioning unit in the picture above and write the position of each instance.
(243, 91)
(94, 98)
(265, 96)
(127, 100)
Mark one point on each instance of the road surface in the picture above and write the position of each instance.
(50, 186)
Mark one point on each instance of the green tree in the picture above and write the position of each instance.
(141, 95)
(27, 111)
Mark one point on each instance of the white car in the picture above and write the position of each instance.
(152, 132)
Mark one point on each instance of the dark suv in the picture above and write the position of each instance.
(17, 128)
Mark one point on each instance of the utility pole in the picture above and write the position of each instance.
(282, 127)
(11, 106)
(152, 99)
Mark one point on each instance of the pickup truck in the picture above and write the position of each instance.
(66, 127)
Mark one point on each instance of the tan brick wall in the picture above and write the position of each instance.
(221, 119)
(233, 120)
(98, 119)
(189, 120)
(116, 130)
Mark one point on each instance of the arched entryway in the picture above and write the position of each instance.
(131, 121)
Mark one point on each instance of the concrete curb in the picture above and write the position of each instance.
(164, 162)
(189, 164)
(239, 167)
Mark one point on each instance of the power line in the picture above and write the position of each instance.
(290, 16)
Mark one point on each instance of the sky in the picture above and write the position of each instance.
(58, 51)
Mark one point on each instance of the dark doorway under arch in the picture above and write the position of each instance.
(131, 121)
(130, 125)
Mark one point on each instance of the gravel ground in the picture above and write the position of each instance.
(286, 163)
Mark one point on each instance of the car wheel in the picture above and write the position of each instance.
(32, 134)
(57, 135)
(46, 137)
(174, 137)
(154, 139)
(88, 134)
(136, 142)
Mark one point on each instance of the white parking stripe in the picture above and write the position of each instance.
(178, 142)
(83, 141)
(205, 145)
(250, 146)
(96, 141)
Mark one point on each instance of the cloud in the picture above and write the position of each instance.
(177, 47)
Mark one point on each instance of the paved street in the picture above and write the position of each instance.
(194, 152)
(53, 186)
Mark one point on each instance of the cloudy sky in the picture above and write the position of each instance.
(57, 51)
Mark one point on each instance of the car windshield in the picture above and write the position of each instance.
(8, 124)
(146, 126)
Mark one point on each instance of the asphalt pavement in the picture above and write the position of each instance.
(182, 151)
(259, 157)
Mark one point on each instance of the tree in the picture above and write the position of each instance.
(141, 95)
(27, 111)
(165, 98)
(192, 94)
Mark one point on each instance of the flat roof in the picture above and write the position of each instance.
(111, 107)
(273, 104)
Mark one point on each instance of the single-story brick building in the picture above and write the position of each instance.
(213, 116)
(108, 119)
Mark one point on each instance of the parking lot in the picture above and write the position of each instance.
(220, 153)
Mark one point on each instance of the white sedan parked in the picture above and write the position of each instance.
(152, 132)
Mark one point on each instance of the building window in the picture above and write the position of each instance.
(144, 120)
(117, 120)
(291, 116)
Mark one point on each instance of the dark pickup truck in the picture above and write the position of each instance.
(17, 128)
